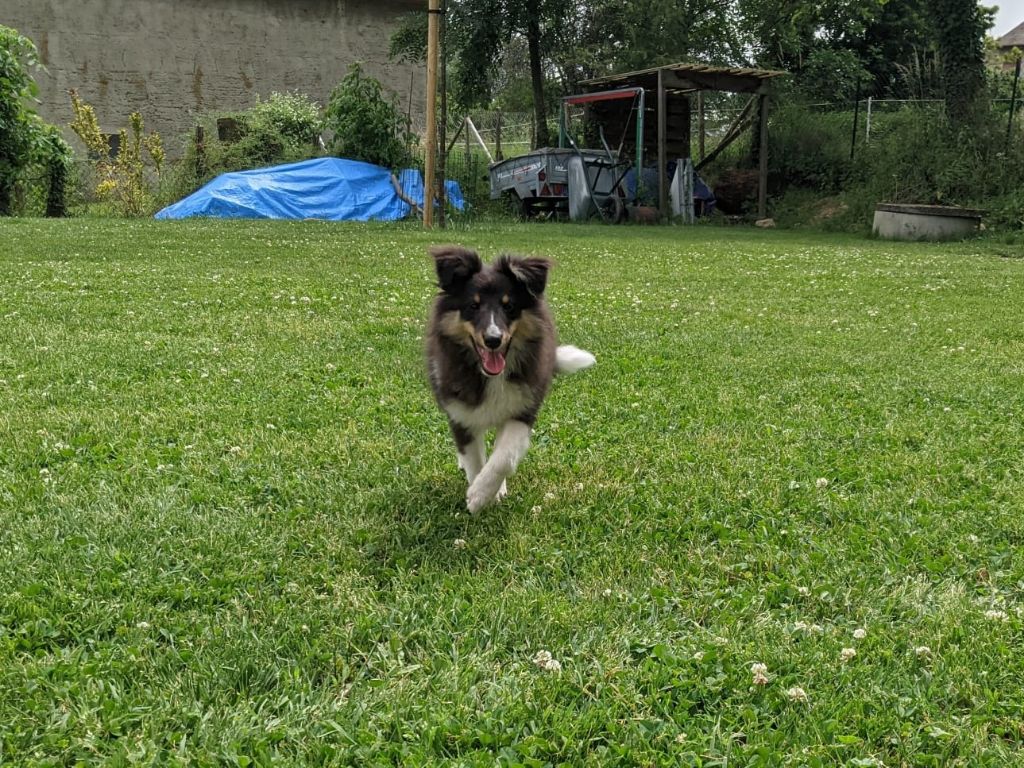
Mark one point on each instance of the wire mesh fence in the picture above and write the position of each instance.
(474, 141)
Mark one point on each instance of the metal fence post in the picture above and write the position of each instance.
(867, 127)
(1013, 104)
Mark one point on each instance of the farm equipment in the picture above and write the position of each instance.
(561, 181)
(569, 180)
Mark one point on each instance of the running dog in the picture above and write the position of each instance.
(491, 355)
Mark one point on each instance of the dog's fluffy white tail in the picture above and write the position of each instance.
(569, 359)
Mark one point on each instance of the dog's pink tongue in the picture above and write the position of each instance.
(494, 362)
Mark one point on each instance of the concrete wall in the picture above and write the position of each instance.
(172, 59)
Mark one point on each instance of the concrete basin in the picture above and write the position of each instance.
(897, 221)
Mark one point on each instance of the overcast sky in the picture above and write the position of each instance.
(1011, 13)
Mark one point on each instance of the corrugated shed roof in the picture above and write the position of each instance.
(691, 76)
(1015, 37)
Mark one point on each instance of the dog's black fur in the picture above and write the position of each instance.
(492, 354)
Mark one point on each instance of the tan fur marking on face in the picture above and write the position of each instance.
(504, 299)
(527, 325)
(476, 298)
(452, 325)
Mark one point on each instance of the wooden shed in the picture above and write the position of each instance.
(667, 118)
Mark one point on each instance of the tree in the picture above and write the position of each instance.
(617, 36)
(19, 128)
(366, 124)
(960, 27)
(479, 33)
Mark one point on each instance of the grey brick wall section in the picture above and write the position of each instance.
(173, 59)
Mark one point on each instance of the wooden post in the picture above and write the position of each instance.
(200, 153)
(701, 133)
(686, 139)
(498, 157)
(442, 131)
(433, 11)
(662, 148)
(762, 174)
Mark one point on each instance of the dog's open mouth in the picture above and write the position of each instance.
(491, 360)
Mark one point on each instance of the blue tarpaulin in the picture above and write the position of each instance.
(325, 188)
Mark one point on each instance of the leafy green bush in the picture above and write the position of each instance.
(56, 158)
(914, 156)
(809, 148)
(283, 129)
(19, 127)
(833, 75)
(366, 124)
(120, 180)
(294, 116)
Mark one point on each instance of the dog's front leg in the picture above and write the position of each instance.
(471, 448)
(509, 448)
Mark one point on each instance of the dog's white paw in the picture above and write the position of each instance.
(480, 494)
(502, 492)
(476, 499)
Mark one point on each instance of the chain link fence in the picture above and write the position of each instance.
(488, 136)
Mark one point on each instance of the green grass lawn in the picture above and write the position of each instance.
(232, 526)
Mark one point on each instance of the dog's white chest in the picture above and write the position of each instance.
(502, 401)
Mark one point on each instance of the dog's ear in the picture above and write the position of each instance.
(455, 265)
(532, 272)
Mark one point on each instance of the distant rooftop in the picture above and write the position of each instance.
(1013, 38)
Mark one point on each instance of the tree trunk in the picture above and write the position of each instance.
(540, 112)
(960, 30)
(6, 197)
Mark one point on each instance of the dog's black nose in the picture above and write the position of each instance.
(492, 342)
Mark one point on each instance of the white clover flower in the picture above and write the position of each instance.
(549, 496)
(810, 629)
(235, 449)
(459, 543)
(547, 662)
(760, 673)
(536, 509)
(794, 485)
(607, 593)
(847, 654)
(860, 633)
(803, 591)
(796, 693)
(142, 625)
(821, 483)
(698, 655)
(996, 615)
(922, 651)
(579, 486)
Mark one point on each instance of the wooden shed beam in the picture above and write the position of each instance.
(662, 151)
(762, 161)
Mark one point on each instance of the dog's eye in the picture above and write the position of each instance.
(474, 305)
